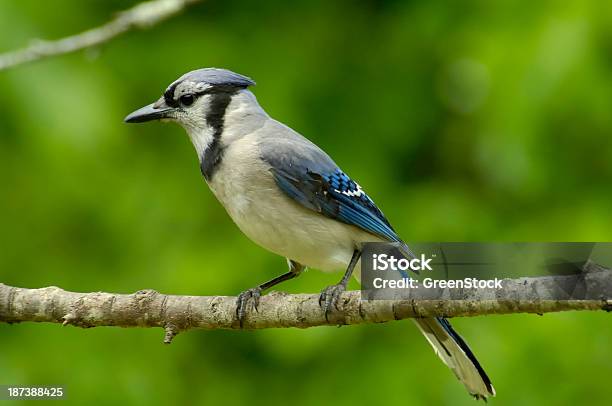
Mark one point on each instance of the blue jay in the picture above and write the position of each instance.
(288, 196)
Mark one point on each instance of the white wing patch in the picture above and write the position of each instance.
(352, 193)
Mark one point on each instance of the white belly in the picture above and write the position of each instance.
(276, 222)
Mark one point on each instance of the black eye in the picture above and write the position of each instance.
(187, 99)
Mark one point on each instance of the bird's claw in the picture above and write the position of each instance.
(248, 296)
(329, 298)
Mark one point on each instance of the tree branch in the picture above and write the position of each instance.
(143, 15)
(148, 308)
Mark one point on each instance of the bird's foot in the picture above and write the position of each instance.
(247, 297)
(329, 298)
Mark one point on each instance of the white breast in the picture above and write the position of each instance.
(245, 186)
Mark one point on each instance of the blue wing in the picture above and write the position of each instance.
(336, 196)
(309, 176)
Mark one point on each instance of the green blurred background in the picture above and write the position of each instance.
(466, 121)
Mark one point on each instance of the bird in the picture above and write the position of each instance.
(288, 196)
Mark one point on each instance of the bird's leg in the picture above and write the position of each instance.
(255, 293)
(331, 294)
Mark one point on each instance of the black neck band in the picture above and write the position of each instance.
(215, 119)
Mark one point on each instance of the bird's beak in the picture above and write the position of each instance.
(153, 111)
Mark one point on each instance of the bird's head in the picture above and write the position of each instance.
(199, 102)
(193, 97)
